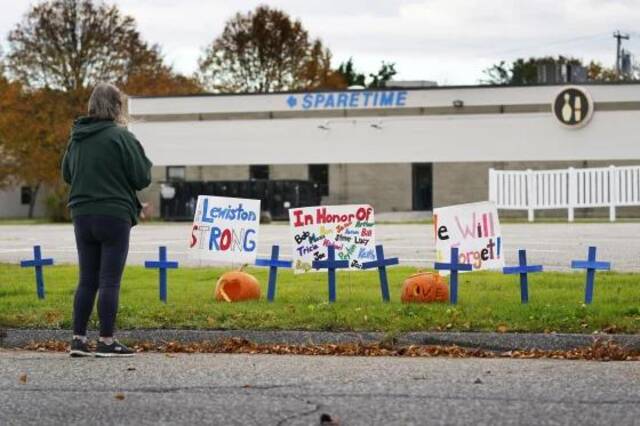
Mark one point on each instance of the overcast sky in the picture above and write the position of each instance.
(450, 41)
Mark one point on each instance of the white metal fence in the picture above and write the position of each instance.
(565, 189)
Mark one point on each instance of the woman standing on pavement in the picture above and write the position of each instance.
(105, 165)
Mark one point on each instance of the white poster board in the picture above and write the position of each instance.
(473, 228)
(225, 229)
(349, 229)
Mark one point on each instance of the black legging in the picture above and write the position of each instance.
(103, 244)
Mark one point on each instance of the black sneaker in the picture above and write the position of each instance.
(116, 349)
(79, 348)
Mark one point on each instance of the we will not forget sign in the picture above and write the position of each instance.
(475, 229)
(225, 229)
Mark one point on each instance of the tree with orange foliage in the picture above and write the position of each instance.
(317, 72)
(34, 128)
(8, 93)
(74, 44)
(263, 51)
(161, 82)
(58, 52)
(598, 72)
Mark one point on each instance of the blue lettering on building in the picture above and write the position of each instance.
(340, 100)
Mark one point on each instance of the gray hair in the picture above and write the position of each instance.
(107, 102)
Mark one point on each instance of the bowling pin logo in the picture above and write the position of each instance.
(577, 109)
(572, 107)
(567, 111)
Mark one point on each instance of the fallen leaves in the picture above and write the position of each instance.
(611, 329)
(23, 378)
(119, 396)
(600, 350)
(50, 345)
(53, 317)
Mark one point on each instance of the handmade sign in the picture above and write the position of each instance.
(349, 229)
(225, 229)
(474, 229)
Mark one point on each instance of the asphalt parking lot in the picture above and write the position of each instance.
(553, 245)
(51, 388)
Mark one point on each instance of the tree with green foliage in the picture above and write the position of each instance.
(350, 75)
(354, 78)
(384, 74)
(522, 72)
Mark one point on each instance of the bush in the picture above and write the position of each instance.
(57, 210)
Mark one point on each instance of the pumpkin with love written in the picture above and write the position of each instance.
(424, 287)
(236, 286)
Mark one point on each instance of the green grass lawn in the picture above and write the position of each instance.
(487, 302)
(22, 221)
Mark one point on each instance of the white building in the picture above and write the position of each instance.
(398, 149)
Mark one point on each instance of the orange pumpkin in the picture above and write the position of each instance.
(236, 286)
(425, 287)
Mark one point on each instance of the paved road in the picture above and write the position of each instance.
(296, 390)
(553, 245)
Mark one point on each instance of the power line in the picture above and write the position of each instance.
(619, 37)
(581, 39)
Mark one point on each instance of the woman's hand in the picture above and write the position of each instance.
(147, 212)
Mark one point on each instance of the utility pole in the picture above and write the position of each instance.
(619, 37)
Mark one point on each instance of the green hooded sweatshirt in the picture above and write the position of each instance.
(105, 166)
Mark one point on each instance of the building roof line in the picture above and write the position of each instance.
(379, 113)
(382, 89)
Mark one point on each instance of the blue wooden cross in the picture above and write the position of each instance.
(381, 263)
(454, 267)
(331, 264)
(523, 269)
(273, 265)
(162, 264)
(591, 265)
(38, 262)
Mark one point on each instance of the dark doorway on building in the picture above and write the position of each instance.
(25, 195)
(259, 172)
(423, 186)
(319, 175)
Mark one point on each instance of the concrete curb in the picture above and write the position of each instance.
(15, 338)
